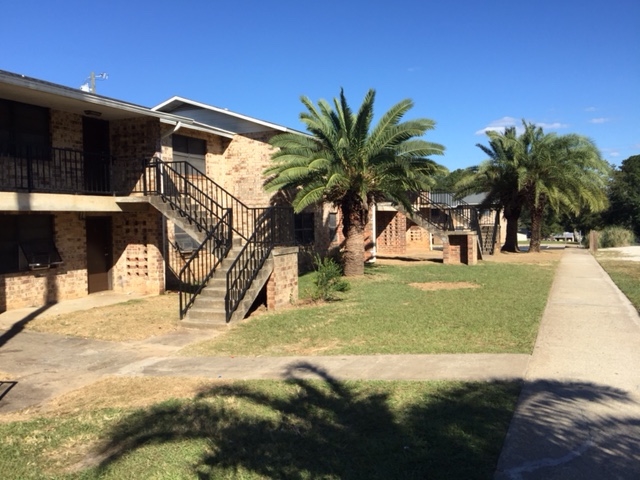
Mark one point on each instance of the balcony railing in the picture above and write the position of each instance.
(56, 170)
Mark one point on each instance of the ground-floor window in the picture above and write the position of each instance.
(333, 227)
(27, 243)
(183, 240)
(303, 228)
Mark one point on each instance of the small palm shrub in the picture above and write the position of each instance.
(615, 237)
(328, 279)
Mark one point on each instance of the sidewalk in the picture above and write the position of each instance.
(579, 411)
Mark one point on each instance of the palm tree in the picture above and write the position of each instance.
(562, 172)
(347, 162)
(498, 177)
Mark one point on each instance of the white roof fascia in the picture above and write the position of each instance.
(192, 125)
(225, 112)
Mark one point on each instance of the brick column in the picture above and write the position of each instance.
(460, 248)
(282, 286)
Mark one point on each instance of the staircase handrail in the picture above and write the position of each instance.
(185, 198)
(204, 261)
(250, 260)
(243, 214)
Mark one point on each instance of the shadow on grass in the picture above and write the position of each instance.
(324, 428)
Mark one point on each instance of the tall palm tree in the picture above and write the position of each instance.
(560, 172)
(499, 178)
(347, 162)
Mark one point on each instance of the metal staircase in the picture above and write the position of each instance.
(440, 213)
(221, 278)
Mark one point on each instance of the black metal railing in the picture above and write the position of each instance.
(448, 213)
(55, 170)
(250, 260)
(203, 262)
(177, 177)
(183, 193)
(220, 215)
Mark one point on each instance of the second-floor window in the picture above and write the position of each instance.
(24, 129)
(191, 150)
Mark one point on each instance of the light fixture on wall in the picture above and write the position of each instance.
(92, 113)
(82, 216)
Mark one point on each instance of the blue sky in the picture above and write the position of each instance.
(572, 66)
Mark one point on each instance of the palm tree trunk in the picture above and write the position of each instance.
(511, 239)
(354, 220)
(512, 215)
(537, 214)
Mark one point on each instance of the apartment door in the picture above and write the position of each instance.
(96, 146)
(99, 253)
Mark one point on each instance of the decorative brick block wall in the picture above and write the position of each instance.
(137, 253)
(282, 286)
(460, 248)
(391, 227)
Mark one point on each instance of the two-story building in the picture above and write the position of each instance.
(101, 194)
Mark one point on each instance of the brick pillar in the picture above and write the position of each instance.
(460, 248)
(282, 286)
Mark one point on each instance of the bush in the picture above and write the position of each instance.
(615, 237)
(328, 279)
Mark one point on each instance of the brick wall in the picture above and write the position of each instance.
(133, 141)
(67, 281)
(66, 130)
(391, 235)
(137, 253)
(282, 286)
(138, 263)
(460, 248)
(244, 160)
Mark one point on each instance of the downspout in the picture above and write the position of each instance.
(165, 241)
(374, 238)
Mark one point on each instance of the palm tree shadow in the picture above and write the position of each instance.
(314, 426)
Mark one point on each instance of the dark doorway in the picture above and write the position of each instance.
(99, 253)
(97, 160)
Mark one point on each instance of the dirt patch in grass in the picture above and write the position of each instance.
(429, 286)
(133, 320)
(545, 257)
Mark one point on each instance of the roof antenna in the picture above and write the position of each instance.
(90, 83)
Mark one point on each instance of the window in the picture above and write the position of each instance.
(303, 228)
(183, 241)
(24, 129)
(26, 243)
(190, 150)
(333, 227)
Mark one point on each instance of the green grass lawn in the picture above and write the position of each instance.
(383, 313)
(269, 429)
(626, 275)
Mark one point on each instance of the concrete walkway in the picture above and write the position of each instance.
(579, 412)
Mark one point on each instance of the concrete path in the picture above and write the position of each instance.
(579, 412)
(43, 366)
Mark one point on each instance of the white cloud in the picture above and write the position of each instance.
(615, 154)
(498, 125)
(599, 120)
(552, 126)
(590, 109)
(504, 122)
